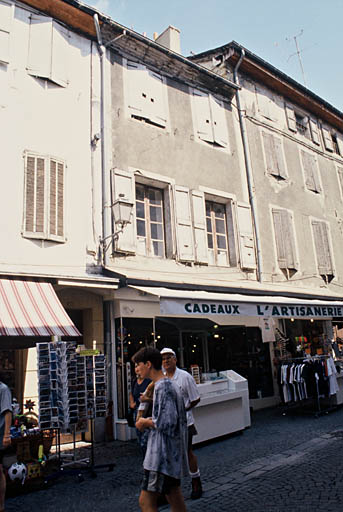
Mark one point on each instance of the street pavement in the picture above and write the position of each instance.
(282, 463)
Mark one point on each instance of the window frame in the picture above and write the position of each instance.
(6, 28)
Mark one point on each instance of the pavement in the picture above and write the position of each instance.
(284, 462)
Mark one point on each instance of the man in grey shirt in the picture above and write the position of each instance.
(5, 438)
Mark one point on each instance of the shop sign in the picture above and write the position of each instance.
(193, 307)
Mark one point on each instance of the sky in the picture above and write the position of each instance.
(268, 28)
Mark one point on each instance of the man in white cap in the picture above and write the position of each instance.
(191, 398)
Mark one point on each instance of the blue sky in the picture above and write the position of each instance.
(265, 27)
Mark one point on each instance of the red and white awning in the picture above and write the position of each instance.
(30, 308)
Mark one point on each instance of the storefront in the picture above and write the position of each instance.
(217, 332)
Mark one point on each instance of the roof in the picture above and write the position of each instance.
(261, 70)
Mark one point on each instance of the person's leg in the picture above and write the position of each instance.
(176, 501)
(193, 467)
(148, 501)
(2, 488)
(192, 460)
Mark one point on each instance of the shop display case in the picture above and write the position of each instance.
(223, 407)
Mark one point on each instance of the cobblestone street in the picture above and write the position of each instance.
(281, 463)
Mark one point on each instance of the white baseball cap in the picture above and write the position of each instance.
(167, 351)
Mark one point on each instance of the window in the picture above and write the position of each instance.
(284, 240)
(311, 172)
(304, 125)
(320, 232)
(333, 141)
(5, 29)
(146, 95)
(149, 221)
(217, 239)
(274, 156)
(44, 198)
(210, 119)
(48, 50)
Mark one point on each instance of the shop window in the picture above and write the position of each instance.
(210, 119)
(311, 172)
(275, 163)
(320, 232)
(44, 198)
(149, 221)
(217, 239)
(285, 241)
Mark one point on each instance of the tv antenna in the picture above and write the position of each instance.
(298, 53)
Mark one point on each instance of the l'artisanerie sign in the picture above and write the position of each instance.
(198, 308)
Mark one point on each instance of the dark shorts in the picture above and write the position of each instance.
(192, 431)
(2, 453)
(158, 482)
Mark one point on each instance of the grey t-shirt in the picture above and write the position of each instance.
(167, 442)
(5, 405)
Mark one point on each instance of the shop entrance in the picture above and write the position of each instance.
(195, 350)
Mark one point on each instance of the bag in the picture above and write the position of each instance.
(130, 418)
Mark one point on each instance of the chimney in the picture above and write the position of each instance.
(170, 39)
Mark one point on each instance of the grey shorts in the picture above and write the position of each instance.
(153, 481)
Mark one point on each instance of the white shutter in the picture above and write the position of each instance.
(246, 236)
(59, 57)
(340, 179)
(40, 46)
(284, 238)
(265, 103)
(291, 121)
(199, 226)
(327, 139)
(314, 131)
(137, 88)
(279, 157)
(311, 172)
(202, 109)
(123, 183)
(340, 143)
(321, 242)
(156, 103)
(5, 29)
(219, 124)
(184, 233)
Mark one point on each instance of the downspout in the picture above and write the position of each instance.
(105, 175)
(248, 170)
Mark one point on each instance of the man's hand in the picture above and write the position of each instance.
(6, 441)
(144, 423)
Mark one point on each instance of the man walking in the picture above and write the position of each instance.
(5, 439)
(191, 398)
(165, 462)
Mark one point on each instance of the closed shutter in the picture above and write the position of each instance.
(284, 238)
(265, 104)
(321, 242)
(169, 225)
(30, 179)
(199, 227)
(340, 178)
(184, 235)
(328, 143)
(291, 121)
(279, 158)
(40, 46)
(203, 115)
(40, 195)
(137, 89)
(314, 131)
(5, 29)
(219, 124)
(157, 106)
(53, 198)
(246, 236)
(274, 156)
(311, 172)
(59, 56)
(60, 199)
(123, 183)
(340, 143)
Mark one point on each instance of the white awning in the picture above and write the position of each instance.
(198, 302)
(30, 308)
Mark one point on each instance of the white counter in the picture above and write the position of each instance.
(223, 407)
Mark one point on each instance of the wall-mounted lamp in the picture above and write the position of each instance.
(122, 210)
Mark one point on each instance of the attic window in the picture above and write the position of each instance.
(335, 143)
(302, 124)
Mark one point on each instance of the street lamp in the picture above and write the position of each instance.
(122, 210)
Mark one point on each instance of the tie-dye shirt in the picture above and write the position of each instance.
(167, 443)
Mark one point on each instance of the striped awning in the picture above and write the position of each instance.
(30, 308)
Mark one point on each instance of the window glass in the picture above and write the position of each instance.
(216, 225)
(149, 221)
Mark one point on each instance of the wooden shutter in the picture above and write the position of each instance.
(30, 179)
(284, 238)
(340, 143)
(137, 89)
(328, 144)
(291, 121)
(60, 199)
(59, 55)
(40, 195)
(202, 109)
(56, 199)
(219, 124)
(184, 235)
(53, 198)
(311, 172)
(40, 46)
(199, 226)
(169, 226)
(123, 183)
(321, 242)
(314, 131)
(246, 236)
(5, 29)
(274, 156)
(340, 179)
(265, 103)
(157, 106)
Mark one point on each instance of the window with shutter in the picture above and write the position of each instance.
(265, 103)
(146, 95)
(122, 183)
(217, 235)
(284, 239)
(274, 156)
(246, 236)
(44, 198)
(150, 221)
(322, 246)
(199, 227)
(184, 232)
(311, 172)
(328, 143)
(6, 15)
(210, 119)
(48, 50)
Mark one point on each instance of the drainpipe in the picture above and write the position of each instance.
(105, 175)
(252, 199)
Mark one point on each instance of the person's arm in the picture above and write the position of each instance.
(193, 393)
(193, 404)
(8, 421)
(132, 403)
(144, 423)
